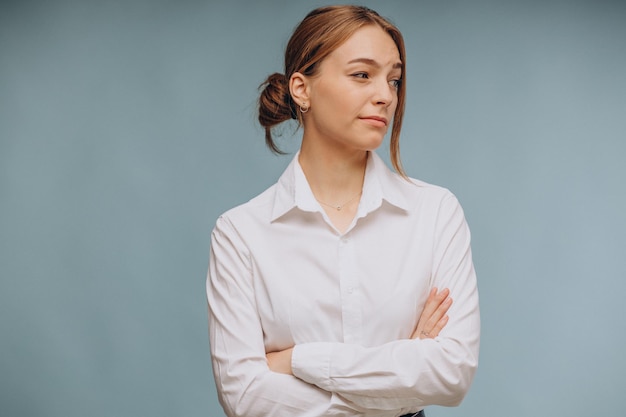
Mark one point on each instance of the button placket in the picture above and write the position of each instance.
(350, 303)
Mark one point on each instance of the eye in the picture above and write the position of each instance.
(396, 83)
(362, 75)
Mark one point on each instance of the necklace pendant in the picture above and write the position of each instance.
(338, 208)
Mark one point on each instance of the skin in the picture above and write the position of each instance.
(351, 102)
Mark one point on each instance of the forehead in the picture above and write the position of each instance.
(370, 42)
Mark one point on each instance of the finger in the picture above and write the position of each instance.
(442, 295)
(436, 322)
(433, 301)
(425, 313)
(435, 330)
(439, 326)
(438, 314)
(442, 309)
(435, 307)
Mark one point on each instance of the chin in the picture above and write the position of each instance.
(374, 144)
(364, 142)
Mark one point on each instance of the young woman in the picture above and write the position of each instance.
(323, 290)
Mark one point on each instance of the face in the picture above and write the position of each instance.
(354, 94)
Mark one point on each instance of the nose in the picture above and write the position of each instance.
(385, 92)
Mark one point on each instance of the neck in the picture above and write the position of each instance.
(334, 177)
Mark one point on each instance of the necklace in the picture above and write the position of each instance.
(338, 207)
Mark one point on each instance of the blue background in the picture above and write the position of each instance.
(127, 127)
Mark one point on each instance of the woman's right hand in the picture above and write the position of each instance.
(433, 317)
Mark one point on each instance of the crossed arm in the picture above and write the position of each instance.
(435, 365)
(432, 320)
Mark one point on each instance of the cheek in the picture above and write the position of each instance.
(393, 106)
(336, 94)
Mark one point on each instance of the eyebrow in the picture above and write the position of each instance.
(372, 62)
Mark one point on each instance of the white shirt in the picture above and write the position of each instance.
(281, 275)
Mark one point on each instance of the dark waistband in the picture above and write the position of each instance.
(420, 414)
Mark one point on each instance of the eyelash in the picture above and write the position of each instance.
(364, 75)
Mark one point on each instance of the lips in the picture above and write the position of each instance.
(375, 120)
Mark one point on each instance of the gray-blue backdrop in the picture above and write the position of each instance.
(127, 127)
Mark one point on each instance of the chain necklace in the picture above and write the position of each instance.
(338, 207)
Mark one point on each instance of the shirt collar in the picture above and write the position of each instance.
(293, 190)
(381, 184)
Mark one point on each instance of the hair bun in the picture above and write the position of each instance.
(275, 105)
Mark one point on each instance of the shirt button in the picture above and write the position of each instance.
(350, 290)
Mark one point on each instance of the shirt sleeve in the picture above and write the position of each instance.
(245, 384)
(411, 373)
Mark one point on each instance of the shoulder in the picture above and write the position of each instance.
(418, 193)
(440, 202)
(418, 186)
(407, 193)
(256, 210)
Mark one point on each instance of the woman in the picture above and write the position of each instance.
(322, 290)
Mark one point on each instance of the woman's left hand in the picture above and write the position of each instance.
(280, 361)
(433, 317)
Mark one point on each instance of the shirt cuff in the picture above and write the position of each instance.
(310, 362)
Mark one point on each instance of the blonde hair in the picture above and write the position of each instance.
(320, 33)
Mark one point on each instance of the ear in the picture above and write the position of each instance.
(299, 89)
